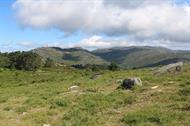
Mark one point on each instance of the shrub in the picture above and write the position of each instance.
(24, 61)
(113, 67)
(4, 61)
(58, 103)
(21, 109)
(185, 91)
(49, 63)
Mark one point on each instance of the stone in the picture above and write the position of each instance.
(73, 88)
(171, 82)
(46, 124)
(119, 81)
(155, 87)
(171, 68)
(24, 113)
(131, 82)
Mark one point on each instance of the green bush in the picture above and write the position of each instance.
(58, 103)
(113, 67)
(49, 63)
(21, 109)
(21, 60)
(185, 91)
(4, 61)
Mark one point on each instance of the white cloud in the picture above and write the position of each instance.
(134, 3)
(96, 41)
(142, 20)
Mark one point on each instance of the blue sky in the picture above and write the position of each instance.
(15, 37)
(67, 31)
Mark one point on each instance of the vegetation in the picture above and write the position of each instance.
(21, 61)
(138, 56)
(124, 57)
(4, 60)
(49, 63)
(113, 67)
(34, 98)
(70, 56)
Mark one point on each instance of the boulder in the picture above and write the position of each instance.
(131, 82)
(171, 68)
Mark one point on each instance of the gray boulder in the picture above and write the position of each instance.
(171, 68)
(131, 82)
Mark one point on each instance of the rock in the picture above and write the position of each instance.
(119, 81)
(73, 88)
(171, 82)
(171, 68)
(95, 76)
(129, 83)
(46, 124)
(160, 90)
(24, 113)
(154, 87)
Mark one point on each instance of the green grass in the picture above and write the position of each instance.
(42, 97)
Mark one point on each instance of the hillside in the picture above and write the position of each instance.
(126, 57)
(130, 57)
(69, 56)
(42, 97)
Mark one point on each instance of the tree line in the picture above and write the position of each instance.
(31, 61)
(23, 61)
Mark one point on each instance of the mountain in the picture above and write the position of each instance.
(141, 56)
(126, 57)
(70, 55)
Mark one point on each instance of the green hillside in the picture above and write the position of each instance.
(36, 98)
(130, 57)
(69, 56)
(126, 57)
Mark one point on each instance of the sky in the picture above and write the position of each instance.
(91, 24)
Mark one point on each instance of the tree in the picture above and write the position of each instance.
(25, 61)
(4, 60)
(113, 67)
(49, 63)
(95, 68)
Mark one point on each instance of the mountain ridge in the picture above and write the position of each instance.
(126, 57)
(69, 55)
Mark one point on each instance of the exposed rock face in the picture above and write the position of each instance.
(171, 68)
(129, 83)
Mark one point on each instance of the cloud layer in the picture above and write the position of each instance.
(140, 20)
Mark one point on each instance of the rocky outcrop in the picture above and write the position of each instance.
(171, 68)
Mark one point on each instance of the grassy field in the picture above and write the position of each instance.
(42, 97)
